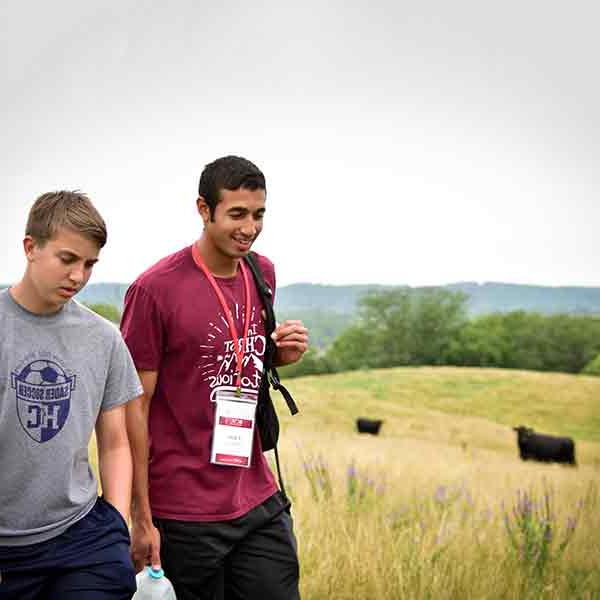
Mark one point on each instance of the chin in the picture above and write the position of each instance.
(234, 253)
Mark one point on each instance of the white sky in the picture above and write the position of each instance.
(417, 143)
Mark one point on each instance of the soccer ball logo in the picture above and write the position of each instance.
(43, 372)
(43, 392)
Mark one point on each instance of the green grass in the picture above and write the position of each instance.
(552, 402)
(390, 535)
(444, 428)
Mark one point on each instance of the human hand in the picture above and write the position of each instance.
(291, 339)
(145, 545)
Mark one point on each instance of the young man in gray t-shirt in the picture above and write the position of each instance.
(64, 372)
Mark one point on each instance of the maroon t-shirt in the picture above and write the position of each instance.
(173, 323)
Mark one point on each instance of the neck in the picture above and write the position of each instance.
(218, 264)
(25, 295)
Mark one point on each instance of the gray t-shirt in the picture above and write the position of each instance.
(57, 372)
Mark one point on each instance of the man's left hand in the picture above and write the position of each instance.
(291, 339)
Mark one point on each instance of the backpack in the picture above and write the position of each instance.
(266, 415)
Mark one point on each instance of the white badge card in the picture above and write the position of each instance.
(233, 432)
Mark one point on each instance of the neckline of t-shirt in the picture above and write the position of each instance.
(27, 314)
(228, 281)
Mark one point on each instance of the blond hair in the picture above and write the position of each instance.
(72, 210)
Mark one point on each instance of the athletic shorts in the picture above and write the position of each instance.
(89, 561)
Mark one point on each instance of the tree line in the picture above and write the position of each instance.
(431, 327)
(411, 327)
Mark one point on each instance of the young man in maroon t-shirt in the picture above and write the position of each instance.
(206, 504)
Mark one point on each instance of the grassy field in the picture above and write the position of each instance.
(439, 505)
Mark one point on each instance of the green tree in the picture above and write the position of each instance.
(314, 362)
(401, 327)
(593, 367)
(438, 316)
(108, 311)
(525, 340)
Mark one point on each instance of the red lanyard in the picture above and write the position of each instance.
(239, 345)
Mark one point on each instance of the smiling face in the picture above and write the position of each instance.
(57, 269)
(236, 222)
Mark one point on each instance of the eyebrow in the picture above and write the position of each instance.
(244, 209)
(71, 254)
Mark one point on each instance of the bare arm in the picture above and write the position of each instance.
(114, 458)
(145, 539)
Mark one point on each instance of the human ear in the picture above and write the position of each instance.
(203, 209)
(29, 245)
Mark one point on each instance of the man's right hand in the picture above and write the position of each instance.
(145, 545)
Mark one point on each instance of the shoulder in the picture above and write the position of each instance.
(267, 268)
(166, 269)
(4, 300)
(91, 321)
(158, 282)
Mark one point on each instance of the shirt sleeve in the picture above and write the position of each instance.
(122, 381)
(143, 328)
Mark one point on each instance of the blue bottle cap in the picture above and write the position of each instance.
(155, 573)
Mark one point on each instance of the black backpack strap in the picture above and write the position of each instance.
(279, 477)
(266, 295)
(277, 385)
(264, 291)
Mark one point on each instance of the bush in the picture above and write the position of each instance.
(108, 311)
(593, 367)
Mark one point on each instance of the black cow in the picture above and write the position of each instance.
(546, 448)
(371, 426)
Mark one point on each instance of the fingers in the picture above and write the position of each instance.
(139, 561)
(145, 550)
(155, 550)
(290, 330)
(300, 348)
(155, 559)
(293, 341)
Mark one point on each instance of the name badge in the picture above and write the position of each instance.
(233, 431)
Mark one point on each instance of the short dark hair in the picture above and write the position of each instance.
(228, 173)
(72, 210)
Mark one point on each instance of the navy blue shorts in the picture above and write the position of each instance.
(89, 561)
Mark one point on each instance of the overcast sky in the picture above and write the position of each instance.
(403, 143)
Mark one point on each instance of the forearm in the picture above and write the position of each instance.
(137, 428)
(115, 467)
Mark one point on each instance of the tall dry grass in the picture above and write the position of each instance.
(420, 511)
(381, 518)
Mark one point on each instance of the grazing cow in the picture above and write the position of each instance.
(371, 426)
(546, 448)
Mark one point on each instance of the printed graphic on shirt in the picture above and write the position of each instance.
(43, 393)
(221, 372)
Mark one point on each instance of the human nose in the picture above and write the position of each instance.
(77, 274)
(248, 227)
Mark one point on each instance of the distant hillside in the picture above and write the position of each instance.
(506, 297)
(309, 296)
(105, 293)
(483, 298)
(343, 299)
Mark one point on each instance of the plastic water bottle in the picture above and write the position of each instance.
(153, 585)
